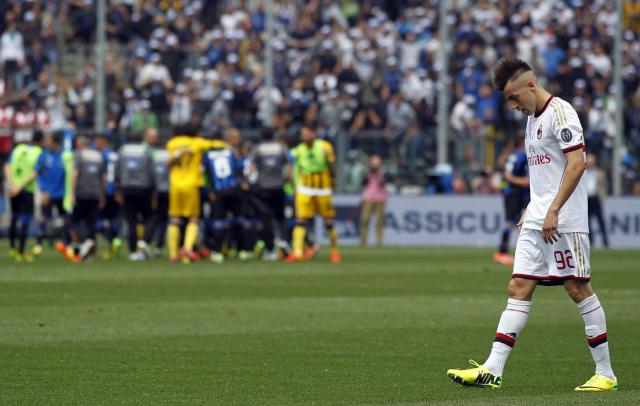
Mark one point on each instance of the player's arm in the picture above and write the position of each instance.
(572, 174)
(215, 144)
(522, 181)
(74, 183)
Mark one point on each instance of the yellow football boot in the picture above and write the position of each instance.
(598, 383)
(478, 376)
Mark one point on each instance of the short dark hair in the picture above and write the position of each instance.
(506, 68)
(267, 133)
(38, 136)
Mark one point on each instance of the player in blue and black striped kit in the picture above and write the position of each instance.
(516, 197)
(225, 171)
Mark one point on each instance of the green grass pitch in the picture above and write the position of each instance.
(382, 328)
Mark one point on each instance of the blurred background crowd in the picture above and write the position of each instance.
(366, 70)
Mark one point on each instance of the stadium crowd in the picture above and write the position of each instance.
(355, 66)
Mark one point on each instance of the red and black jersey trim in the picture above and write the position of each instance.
(597, 340)
(550, 280)
(505, 339)
(546, 104)
(573, 148)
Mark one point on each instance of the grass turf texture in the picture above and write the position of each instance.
(381, 328)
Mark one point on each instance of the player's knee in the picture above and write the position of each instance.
(521, 289)
(578, 290)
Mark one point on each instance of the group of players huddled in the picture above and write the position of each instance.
(208, 197)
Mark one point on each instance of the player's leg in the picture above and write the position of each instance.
(191, 232)
(46, 217)
(176, 203)
(529, 265)
(89, 246)
(511, 208)
(131, 217)
(162, 220)
(575, 259)
(26, 215)
(305, 210)
(144, 208)
(13, 225)
(328, 213)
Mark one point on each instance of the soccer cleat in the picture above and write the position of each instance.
(598, 383)
(503, 258)
(269, 256)
(13, 253)
(258, 248)
(245, 255)
(116, 244)
(478, 376)
(216, 258)
(312, 251)
(144, 249)
(335, 256)
(37, 249)
(137, 256)
(294, 258)
(27, 258)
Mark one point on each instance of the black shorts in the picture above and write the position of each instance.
(269, 203)
(22, 204)
(85, 210)
(137, 201)
(111, 209)
(514, 203)
(228, 204)
(56, 203)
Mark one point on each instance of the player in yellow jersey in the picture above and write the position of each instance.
(185, 150)
(314, 167)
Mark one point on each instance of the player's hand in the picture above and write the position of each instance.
(101, 203)
(45, 199)
(119, 198)
(212, 197)
(14, 191)
(550, 232)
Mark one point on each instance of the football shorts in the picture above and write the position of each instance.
(184, 202)
(307, 206)
(552, 264)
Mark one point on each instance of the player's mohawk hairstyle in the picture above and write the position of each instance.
(506, 68)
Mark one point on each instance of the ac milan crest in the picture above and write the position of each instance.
(539, 133)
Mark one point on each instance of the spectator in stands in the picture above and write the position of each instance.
(144, 118)
(12, 55)
(401, 132)
(181, 106)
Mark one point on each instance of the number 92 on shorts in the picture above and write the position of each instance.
(552, 264)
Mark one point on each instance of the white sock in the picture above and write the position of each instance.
(512, 321)
(595, 327)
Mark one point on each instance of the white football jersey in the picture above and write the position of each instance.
(549, 135)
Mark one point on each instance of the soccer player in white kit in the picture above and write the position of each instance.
(553, 246)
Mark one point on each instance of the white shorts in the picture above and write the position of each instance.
(552, 264)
